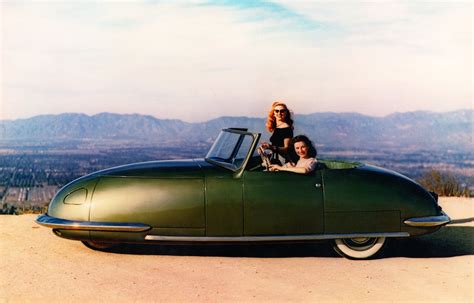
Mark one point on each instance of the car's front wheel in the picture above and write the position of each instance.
(98, 245)
(358, 248)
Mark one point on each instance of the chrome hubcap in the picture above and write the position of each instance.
(360, 244)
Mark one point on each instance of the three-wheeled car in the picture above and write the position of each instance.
(229, 196)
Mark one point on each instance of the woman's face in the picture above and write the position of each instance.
(280, 112)
(301, 149)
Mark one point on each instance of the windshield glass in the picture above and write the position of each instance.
(230, 149)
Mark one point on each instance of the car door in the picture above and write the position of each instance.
(282, 203)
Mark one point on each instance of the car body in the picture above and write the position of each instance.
(230, 197)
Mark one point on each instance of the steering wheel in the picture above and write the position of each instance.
(265, 157)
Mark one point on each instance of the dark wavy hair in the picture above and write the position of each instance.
(312, 152)
(271, 120)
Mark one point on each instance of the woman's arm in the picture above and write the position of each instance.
(284, 149)
(305, 167)
(298, 170)
(266, 145)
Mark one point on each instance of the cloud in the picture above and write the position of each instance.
(198, 60)
(255, 11)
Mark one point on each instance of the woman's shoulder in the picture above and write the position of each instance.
(283, 125)
(285, 130)
(308, 163)
(309, 160)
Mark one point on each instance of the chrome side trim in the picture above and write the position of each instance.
(273, 238)
(52, 222)
(440, 220)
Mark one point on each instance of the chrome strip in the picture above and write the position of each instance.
(273, 238)
(429, 221)
(52, 222)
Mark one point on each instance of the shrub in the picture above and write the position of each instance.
(444, 184)
(8, 210)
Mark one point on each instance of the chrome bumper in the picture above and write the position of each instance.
(57, 223)
(274, 238)
(440, 220)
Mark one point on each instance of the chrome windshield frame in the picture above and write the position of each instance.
(242, 132)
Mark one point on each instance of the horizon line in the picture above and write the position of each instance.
(228, 116)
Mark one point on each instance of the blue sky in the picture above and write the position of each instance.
(197, 60)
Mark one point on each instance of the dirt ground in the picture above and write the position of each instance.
(36, 265)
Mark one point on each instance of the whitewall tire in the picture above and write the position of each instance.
(358, 248)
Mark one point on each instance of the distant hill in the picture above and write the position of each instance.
(412, 130)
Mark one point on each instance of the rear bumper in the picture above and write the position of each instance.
(57, 223)
(440, 220)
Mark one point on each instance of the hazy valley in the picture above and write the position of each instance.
(40, 154)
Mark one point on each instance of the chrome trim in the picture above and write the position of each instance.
(273, 238)
(440, 220)
(52, 222)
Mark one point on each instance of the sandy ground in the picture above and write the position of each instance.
(36, 265)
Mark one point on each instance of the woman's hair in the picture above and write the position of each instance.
(312, 152)
(271, 121)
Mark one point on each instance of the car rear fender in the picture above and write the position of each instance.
(369, 199)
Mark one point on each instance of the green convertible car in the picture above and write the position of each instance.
(230, 197)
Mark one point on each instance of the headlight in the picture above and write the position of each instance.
(76, 197)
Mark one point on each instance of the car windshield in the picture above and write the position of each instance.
(230, 149)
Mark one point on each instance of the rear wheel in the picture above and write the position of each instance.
(358, 248)
(99, 245)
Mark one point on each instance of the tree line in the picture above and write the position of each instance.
(444, 184)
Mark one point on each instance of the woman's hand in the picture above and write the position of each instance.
(291, 168)
(275, 167)
(266, 145)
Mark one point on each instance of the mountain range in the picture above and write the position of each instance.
(418, 130)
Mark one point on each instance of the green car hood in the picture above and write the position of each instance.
(158, 169)
(181, 180)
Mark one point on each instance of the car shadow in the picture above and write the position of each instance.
(449, 241)
(459, 221)
(251, 250)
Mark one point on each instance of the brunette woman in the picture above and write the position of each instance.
(304, 151)
(280, 124)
